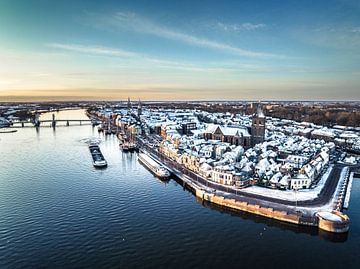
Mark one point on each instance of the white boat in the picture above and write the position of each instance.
(160, 171)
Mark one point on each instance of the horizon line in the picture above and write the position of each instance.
(178, 101)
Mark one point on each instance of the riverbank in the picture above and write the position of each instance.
(302, 213)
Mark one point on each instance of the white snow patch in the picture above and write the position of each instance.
(348, 191)
(291, 195)
(329, 216)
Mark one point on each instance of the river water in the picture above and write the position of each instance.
(57, 211)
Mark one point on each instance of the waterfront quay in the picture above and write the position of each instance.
(305, 212)
(284, 170)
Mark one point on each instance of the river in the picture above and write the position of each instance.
(58, 211)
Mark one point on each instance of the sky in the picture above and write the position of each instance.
(179, 50)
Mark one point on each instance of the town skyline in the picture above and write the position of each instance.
(238, 50)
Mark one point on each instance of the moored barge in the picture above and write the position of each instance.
(124, 147)
(156, 168)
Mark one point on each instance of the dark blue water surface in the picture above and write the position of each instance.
(57, 211)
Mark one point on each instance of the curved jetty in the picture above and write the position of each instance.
(98, 159)
(334, 221)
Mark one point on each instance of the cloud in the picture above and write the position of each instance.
(342, 37)
(251, 26)
(228, 67)
(247, 26)
(93, 50)
(355, 30)
(121, 53)
(136, 23)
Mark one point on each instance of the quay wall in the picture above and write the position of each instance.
(340, 225)
(269, 212)
(209, 195)
(247, 207)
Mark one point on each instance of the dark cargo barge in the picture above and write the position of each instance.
(98, 159)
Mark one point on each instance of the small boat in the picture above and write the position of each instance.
(162, 173)
(108, 131)
(98, 159)
(125, 147)
(132, 146)
(159, 170)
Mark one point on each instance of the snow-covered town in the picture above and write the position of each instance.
(301, 166)
(281, 165)
(180, 134)
(242, 150)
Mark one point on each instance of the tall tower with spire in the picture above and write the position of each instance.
(258, 126)
(129, 103)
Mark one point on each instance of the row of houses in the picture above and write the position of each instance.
(340, 135)
(223, 154)
(228, 164)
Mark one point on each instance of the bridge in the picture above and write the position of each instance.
(36, 122)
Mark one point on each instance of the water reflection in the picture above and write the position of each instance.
(298, 229)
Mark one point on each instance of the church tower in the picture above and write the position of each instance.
(139, 109)
(258, 126)
(129, 103)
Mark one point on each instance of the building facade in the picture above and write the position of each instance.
(235, 136)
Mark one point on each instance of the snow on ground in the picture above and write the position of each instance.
(348, 192)
(291, 195)
(329, 216)
(331, 204)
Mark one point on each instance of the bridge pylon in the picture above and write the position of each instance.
(53, 123)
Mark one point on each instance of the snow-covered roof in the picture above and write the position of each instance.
(323, 132)
(348, 135)
(329, 216)
(227, 131)
(284, 181)
(205, 167)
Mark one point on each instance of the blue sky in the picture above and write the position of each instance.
(183, 50)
